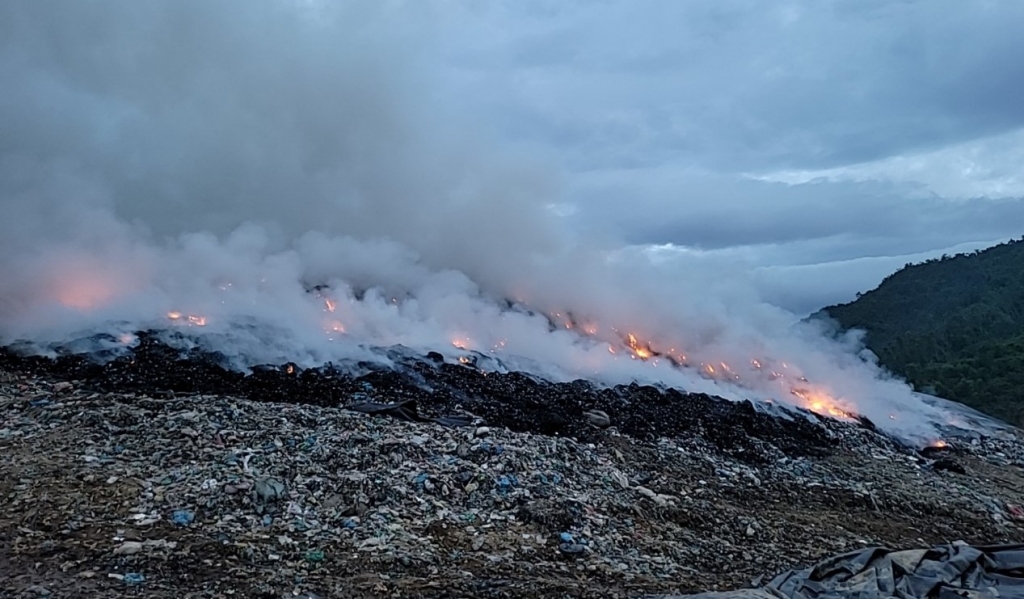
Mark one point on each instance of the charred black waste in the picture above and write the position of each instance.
(428, 388)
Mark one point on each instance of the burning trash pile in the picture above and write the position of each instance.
(282, 440)
(461, 393)
(131, 480)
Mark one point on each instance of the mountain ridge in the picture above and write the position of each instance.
(952, 326)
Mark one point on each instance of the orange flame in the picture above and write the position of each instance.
(822, 403)
(330, 304)
(639, 351)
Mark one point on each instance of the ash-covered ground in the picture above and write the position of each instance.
(162, 474)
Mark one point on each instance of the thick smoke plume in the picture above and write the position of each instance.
(286, 182)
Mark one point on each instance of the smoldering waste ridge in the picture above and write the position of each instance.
(513, 400)
(129, 479)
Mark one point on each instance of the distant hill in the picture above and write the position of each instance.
(952, 326)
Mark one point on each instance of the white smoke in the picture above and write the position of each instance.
(220, 160)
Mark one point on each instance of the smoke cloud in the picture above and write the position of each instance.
(164, 160)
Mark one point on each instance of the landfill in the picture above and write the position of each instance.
(145, 490)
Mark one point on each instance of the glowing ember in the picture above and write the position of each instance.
(330, 305)
(191, 319)
(940, 444)
(821, 403)
(464, 360)
(639, 351)
(290, 369)
(461, 343)
(336, 326)
(85, 286)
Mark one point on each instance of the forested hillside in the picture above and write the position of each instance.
(952, 326)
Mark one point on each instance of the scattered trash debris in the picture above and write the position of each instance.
(598, 418)
(183, 517)
(294, 499)
(949, 465)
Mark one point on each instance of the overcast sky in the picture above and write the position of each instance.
(841, 137)
(814, 145)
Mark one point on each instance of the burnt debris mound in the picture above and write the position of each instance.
(435, 389)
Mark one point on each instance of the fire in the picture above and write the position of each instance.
(822, 403)
(330, 305)
(464, 360)
(83, 284)
(335, 326)
(940, 444)
(640, 351)
(191, 319)
(83, 297)
(290, 369)
(461, 342)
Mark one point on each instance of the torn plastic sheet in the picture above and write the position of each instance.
(955, 571)
(406, 410)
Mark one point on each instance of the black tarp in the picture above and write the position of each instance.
(953, 571)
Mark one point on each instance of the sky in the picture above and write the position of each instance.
(808, 147)
(819, 144)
